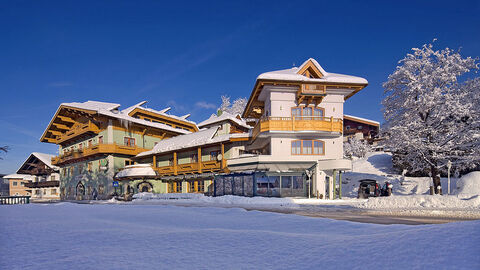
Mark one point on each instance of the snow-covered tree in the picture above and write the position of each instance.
(236, 108)
(355, 148)
(430, 116)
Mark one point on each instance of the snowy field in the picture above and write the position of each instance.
(116, 236)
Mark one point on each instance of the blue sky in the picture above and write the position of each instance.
(187, 54)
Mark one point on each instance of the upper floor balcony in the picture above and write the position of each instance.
(298, 124)
(190, 168)
(78, 129)
(113, 148)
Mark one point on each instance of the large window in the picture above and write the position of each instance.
(129, 141)
(308, 147)
(307, 112)
(214, 155)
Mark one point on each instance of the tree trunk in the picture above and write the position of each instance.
(436, 180)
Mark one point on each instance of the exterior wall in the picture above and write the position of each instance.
(17, 187)
(282, 147)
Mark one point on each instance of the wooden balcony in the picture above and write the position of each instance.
(292, 124)
(311, 93)
(190, 168)
(76, 154)
(78, 130)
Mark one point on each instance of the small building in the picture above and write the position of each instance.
(45, 177)
(17, 184)
(360, 128)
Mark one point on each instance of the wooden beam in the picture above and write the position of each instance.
(61, 126)
(154, 162)
(222, 166)
(199, 159)
(56, 133)
(66, 119)
(175, 163)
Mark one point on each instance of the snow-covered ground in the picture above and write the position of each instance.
(116, 236)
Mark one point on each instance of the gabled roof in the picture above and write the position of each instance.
(162, 112)
(295, 74)
(361, 120)
(42, 157)
(308, 74)
(195, 139)
(18, 176)
(225, 116)
(112, 110)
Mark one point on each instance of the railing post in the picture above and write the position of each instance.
(199, 159)
(175, 163)
(222, 165)
(154, 162)
(331, 123)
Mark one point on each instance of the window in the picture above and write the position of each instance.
(296, 147)
(22, 184)
(14, 183)
(308, 147)
(53, 191)
(128, 162)
(214, 155)
(52, 177)
(170, 161)
(127, 141)
(37, 192)
(318, 147)
(178, 187)
(308, 112)
(193, 158)
(359, 127)
(175, 187)
(89, 143)
(80, 146)
(100, 140)
(44, 192)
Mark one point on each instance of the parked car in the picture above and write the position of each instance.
(370, 188)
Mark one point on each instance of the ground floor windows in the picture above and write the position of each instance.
(53, 191)
(308, 147)
(174, 187)
(261, 184)
(196, 186)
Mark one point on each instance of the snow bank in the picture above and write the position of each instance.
(422, 202)
(469, 185)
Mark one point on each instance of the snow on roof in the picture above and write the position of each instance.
(291, 75)
(199, 138)
(136, 170)
(223, 117)
(361, 119)
(45, 158)
(161, 112)
(111, 110)
(18, 176)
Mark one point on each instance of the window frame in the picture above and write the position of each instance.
(127, 141)
(308, 117)
(312, 148)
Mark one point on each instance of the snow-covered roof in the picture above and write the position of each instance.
(292, 75)
(199, 138)
(136, 170)
(161, 112)
(111, 110)
(361, 119)
(223, 117)
(18, 176)
(45, 158)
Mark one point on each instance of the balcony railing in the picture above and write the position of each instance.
(190, 168)
(298, 123)
(97, 149)
(77, 131)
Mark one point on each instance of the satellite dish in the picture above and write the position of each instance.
(219, 157)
